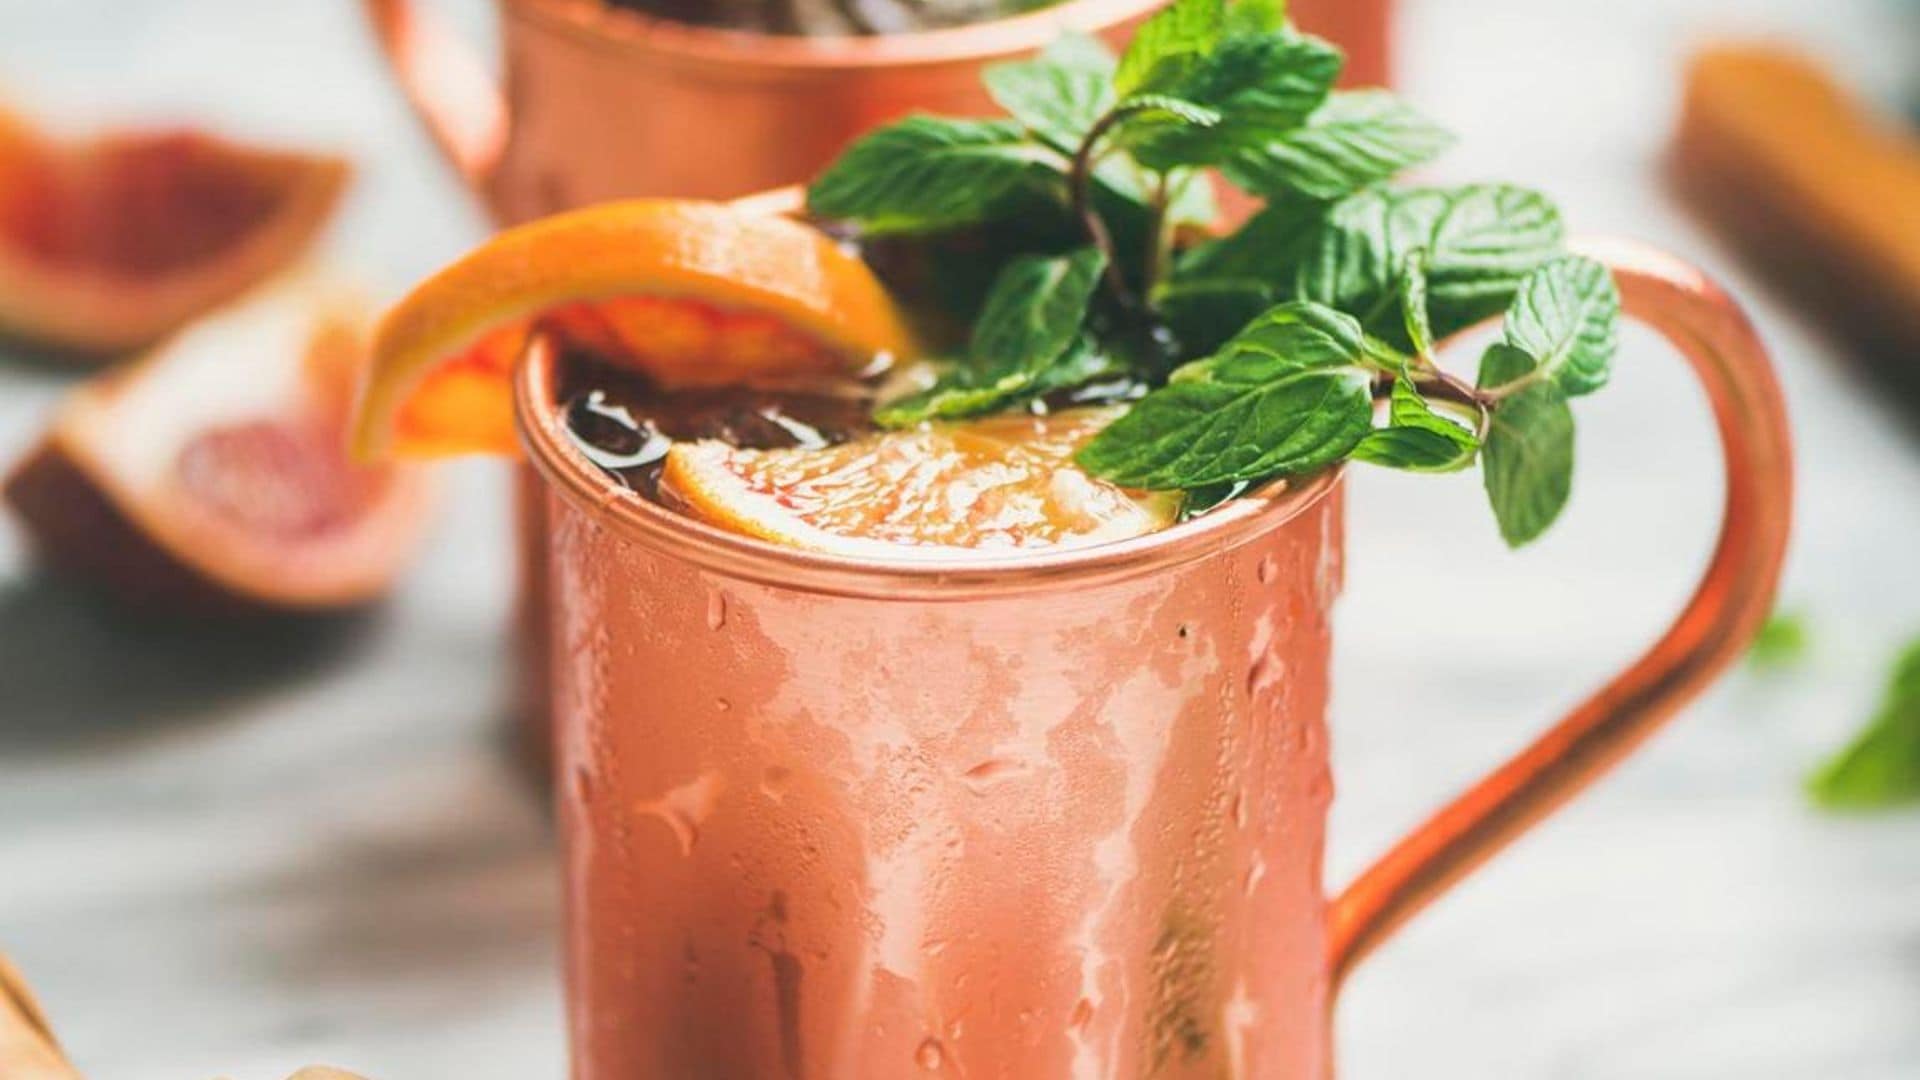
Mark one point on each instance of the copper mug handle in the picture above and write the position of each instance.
(448, 85)
(1728, 605)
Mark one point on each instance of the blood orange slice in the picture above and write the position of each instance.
(110, 244)
(1005, 483)
(212, 473)
(694, 294)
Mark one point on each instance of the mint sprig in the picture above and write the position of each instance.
(1303, 338)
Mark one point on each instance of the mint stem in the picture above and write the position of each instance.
(1442, 388)
(1080, 187)
(1160, 243)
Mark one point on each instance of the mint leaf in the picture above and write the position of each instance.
(1482, 240)
(1208, 497)
(1035, 309)
(1165, 108)
(1528, 458)
(1059, 94)
(1253, 17)
(1026, 342)
(960, 392)
(1567, 314)
(1355, 140)
(965, 391)
(1168, 45)
(1261, 85)
(1290, 393)
(1882, 766)
(1417, 438)
(1413, 302)
(1270, 247)
(926, 173)
(1204, 314)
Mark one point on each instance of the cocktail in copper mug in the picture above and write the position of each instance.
(1045, 815)
(599, 103)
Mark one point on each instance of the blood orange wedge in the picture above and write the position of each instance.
(212, 473)
(693, 294)
(1004, 483)
(110, 244)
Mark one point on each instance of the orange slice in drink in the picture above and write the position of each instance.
(1002, 484)
(691, 293)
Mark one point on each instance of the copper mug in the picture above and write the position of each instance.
(1050, 815)
(599, 103)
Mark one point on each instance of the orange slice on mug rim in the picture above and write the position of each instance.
(690, 293)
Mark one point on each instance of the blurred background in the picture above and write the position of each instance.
(238, 850)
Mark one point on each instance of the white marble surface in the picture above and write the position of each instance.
(233, 855)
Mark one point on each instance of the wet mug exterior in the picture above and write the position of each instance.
(1041, 824)
(1059, 814)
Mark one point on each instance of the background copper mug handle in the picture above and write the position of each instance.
(1733, 598)
(448, 85)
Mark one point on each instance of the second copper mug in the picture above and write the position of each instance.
(1053, 815)
(598, 103)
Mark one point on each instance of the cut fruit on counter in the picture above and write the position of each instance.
(109, 244)
(692, 294)
(1005, 483)
(212, 473)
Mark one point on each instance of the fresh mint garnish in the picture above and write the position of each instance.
(1254, 88)
(1292, 392)
(1413, 304)
(1567, 316)
(1268, 248)
(1035, 309)
(927, 173)
(1169, 46)
(1299, 340)
(1481, 241)
(1357, 139)
(1528, 455)
(1203, 314)
(1417, 438)
(1882, 766)
(1029, 325)
(1058, 95)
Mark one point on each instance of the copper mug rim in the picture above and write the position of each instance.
(586, 485)
(740, 52)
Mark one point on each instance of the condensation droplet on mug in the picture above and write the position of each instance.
(722, 704)
(774, 781)
(683, 809)
(1256, 870)
(991, 773)
(1269, 568)
(931, 1055)
(1264, 674)
(1240, 809)
(716, 610)
(1082, 1015)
